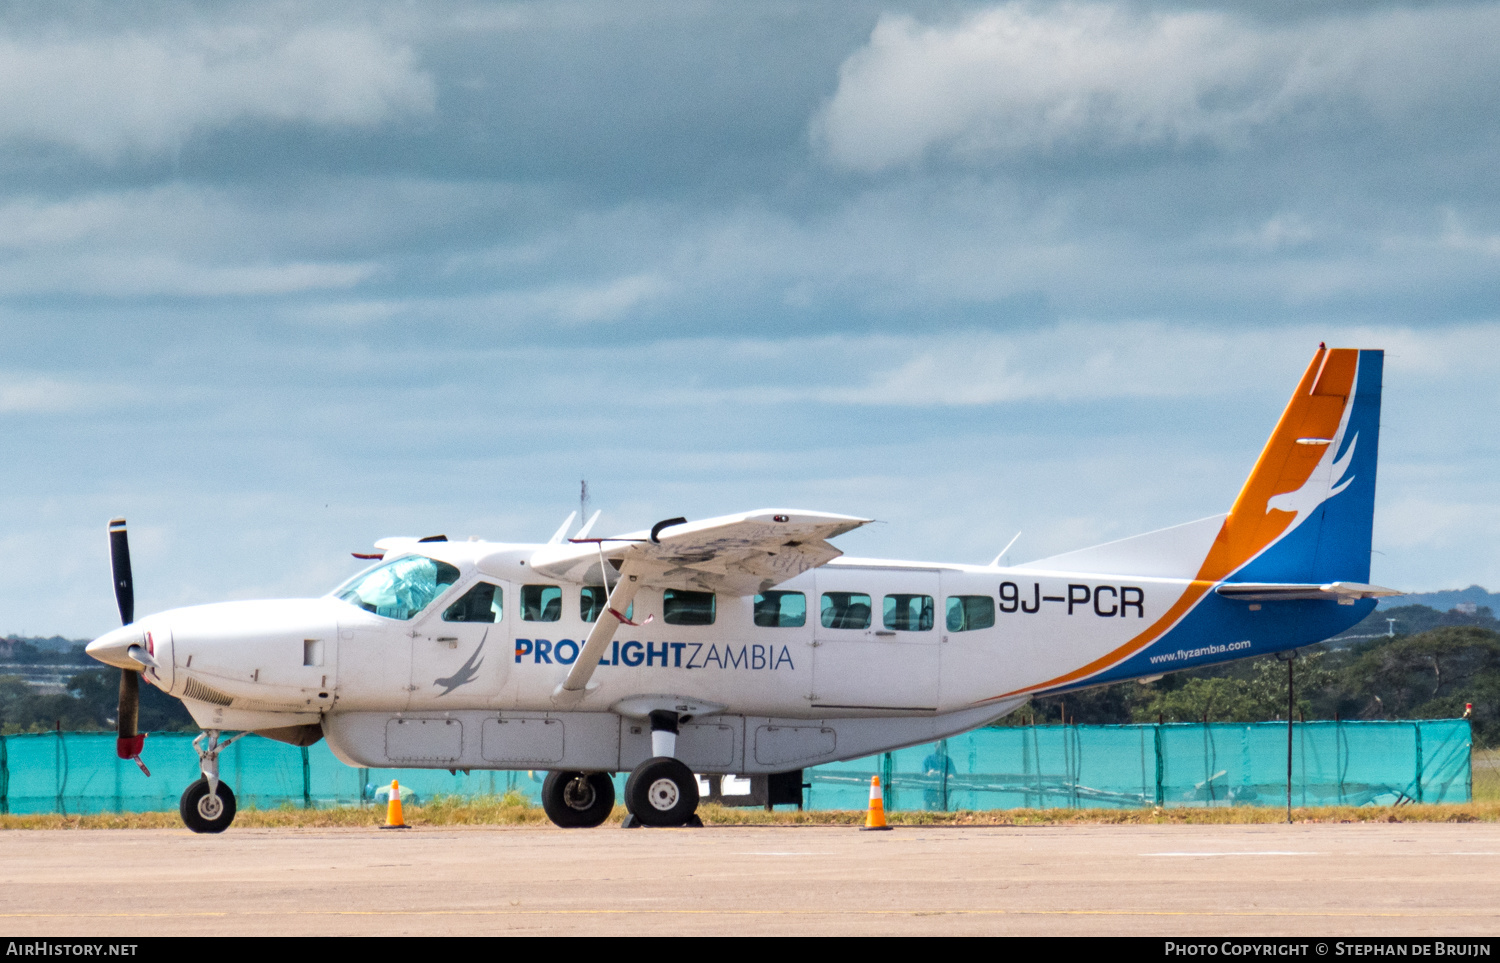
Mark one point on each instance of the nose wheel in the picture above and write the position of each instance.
(207, 806)
(207, 809)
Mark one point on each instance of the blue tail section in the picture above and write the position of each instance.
(1332, 542)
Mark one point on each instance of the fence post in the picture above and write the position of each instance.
(306, 781)
(1417, 727)
(887, 792)
(1340, 753)
(1026, 736)
(60, 771)
(1160, 768)
(4, 777)
(1468, 763)
(946, 762)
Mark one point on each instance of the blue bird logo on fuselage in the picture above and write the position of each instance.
(466, 673)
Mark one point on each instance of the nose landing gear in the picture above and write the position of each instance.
(204, 810)
(207, 805)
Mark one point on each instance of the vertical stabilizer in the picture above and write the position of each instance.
(1306, 512)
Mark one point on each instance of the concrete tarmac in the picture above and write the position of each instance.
(1315, 880)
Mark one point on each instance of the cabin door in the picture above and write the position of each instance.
(876, 639)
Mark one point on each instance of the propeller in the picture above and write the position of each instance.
(128, 742)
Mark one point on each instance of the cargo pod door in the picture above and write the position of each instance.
(876, 639)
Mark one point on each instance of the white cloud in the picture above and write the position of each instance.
(148, 92)
(1024, 78)
(586, 303)
(150, 275)
(33, 393)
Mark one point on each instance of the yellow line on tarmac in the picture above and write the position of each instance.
(1356, 914)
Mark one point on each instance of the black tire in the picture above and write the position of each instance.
(202, 813)
(578, 800)
(662, 791)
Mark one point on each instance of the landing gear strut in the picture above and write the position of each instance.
(207, 806)
(662, 791)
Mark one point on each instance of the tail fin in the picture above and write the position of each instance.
(1306, 511)
(1304, 514)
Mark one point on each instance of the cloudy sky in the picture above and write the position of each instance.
(280, 279)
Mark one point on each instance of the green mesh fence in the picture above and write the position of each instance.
(1126, 767)
(1219, 764)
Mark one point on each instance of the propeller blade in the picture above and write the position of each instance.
(128, 742)
(119, 561)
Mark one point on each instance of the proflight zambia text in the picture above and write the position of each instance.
(665, 655)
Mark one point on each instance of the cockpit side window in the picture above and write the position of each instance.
(400, 588)
(482, 603)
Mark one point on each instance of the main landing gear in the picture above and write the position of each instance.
(207, 806)
(662, 791)
(578, 800)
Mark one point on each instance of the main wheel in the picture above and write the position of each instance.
(662, 791)
(206, 813)
(578, 800)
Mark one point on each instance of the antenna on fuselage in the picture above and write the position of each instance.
(562, 530)
(1004, 550)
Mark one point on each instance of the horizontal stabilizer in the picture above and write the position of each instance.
(1345, 593)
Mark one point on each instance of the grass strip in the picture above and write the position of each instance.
(511, 811)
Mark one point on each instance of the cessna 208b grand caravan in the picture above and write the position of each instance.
(747, 644)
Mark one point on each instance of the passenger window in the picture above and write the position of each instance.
(687, 608)
(591, 602)
(969, 612)
(908, 613)
(482, 603)
(541, 603)
(780, 610)
(846, 610)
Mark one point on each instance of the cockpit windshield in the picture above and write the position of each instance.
(401, 588)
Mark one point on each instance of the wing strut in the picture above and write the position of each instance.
(573, 688)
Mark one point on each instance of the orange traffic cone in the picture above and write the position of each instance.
(393, 818)
(875, 818)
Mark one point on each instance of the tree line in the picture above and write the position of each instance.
(1433, 665)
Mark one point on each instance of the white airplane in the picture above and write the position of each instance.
(747, 644)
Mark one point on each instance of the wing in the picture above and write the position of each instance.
(734, 554)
